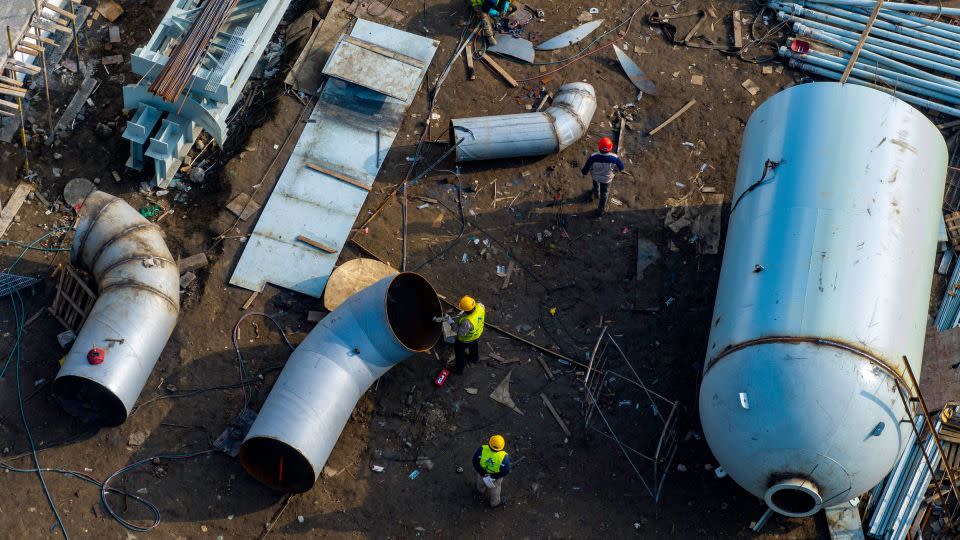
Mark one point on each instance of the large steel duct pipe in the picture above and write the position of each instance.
(823, 291)
(326, 375)
(139, 300)
(527, 134)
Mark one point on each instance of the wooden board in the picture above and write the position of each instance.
(307, 72)
(352, 277)
(13, 206)
(952, 223)
(939, 381)
(673, 117)
(500, 71)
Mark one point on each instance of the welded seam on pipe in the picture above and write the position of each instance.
(93, 222)
(119, 236)
(136, 258)
(134, 284)
(796, 340)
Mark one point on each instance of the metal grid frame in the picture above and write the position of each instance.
(607, 365)
(74, 298)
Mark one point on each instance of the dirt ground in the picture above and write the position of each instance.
(582, 267)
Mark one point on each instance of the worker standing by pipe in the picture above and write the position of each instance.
(469, 329)
(602, 166)
(492, 464)
(489, 11)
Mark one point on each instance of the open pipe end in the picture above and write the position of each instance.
(412, 306)
(90, 400)
(277, 465)
(795, 497)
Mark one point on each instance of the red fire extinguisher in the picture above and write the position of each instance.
(441, 377)
(96, 356)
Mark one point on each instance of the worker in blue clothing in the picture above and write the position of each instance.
(492, 464)
(489, 11)
(602, 166)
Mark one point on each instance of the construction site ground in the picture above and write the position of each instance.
(574, 273)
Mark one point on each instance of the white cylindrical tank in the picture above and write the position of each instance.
(824, 290)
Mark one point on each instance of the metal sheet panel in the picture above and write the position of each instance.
(341, 137)
(519, 48)
(570, 36)
(374, 67)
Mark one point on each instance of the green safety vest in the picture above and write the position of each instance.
(491, 461)
(476, 318)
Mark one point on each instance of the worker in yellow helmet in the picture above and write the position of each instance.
(469, 329)
(492, 463)
(489, 11)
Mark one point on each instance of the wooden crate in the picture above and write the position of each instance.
(74, 298)
(952, 222)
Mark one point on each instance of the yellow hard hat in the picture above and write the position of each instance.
(467, 303)
(497, 443)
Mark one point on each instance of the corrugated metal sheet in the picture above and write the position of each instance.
(341, 137)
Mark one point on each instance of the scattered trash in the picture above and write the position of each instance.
(471, 391)
(137, 438)
(501, 394)
(751, 87)
(65, 339)
(377, 468)
(696, 80)
(720, 472)
(681, 467)
(193, 263)
(151, 210)
(300, 519)
(413, 475)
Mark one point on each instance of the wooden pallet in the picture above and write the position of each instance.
(74, 298)
(952, 222)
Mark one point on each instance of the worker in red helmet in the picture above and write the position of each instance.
(602, 166)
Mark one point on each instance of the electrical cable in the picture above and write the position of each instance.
(17, 354)
(244, 376)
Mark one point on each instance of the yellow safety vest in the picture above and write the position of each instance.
(491, 461)
(477, 4)
(476, 318)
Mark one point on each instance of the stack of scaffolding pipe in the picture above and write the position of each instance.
(904, 489)
(895, 6)
(903, 55)
(949, 314)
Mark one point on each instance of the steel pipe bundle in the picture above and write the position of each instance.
(311, 402)
(139, 300)
(823, 293)
(188, 53)
(894, 505)
(904, 55)
(527, 134)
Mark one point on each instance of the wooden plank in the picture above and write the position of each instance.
(10, 91)
(306, 74)
(9, 105)
(863, 39)
(22, 68)
(343, 178)
(468, 56)
(675, 115)
(29, 48)
(623, 130)
(499, 70)
(249, 302)
(5, 113)
(60, 10)
(319, 245)
(13, 206)
(9, 81)
(556, 415)
(544, 100)
(546, 369)
(737, 30)
(506, 278)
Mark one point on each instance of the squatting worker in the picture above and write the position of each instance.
(489, 11)
(492, 464)
(602, 166)
(469, 330)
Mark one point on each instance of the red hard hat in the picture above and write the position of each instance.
(605, 144)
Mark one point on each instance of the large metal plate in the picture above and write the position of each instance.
(518, 48)
(570, 36)
(342, 137)
(378, 68)
(635, 74)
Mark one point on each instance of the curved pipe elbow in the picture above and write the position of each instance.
(312, 400)
(138, 284)
(529, 134)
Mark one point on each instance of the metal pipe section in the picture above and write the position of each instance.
(528, 134)
(895, 6)
(869, 73)
(326, 375)
(897, 23)
(882, 54)
(837, 75)
(824, 289)
(935, 44)
(139, 300)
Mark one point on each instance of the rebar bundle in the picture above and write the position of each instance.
(186, 56)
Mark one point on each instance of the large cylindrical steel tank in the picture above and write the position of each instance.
(824, 290)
